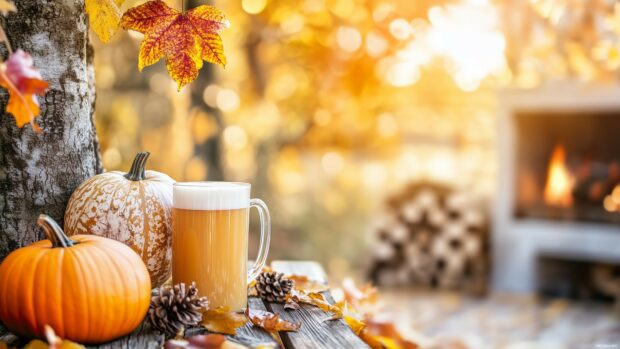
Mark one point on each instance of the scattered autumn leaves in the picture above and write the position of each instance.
(357, 309)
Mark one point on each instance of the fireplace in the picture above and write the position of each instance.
(568, 165)
(559, 181)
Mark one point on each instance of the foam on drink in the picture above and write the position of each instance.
(211, 195)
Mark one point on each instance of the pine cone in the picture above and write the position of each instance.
(273, 286)
(174, 308)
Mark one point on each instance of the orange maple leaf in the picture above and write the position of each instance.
(23, 82)
(184, 39)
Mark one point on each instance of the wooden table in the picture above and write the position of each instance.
(315, 331)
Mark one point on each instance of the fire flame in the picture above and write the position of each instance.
(560, 182)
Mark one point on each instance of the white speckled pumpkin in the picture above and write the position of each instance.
(133, 208)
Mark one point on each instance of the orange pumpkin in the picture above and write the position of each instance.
(89, 289)
(133, 208)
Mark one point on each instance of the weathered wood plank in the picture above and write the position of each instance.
(315, 331)
(142, 337)
(247, 335)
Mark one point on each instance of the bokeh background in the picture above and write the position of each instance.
(329, 107)
(325, 107)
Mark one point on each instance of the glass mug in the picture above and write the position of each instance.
(210, 223)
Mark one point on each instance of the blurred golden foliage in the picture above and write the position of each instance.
(328, 105)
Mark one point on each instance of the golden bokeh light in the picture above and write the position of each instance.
(235, 137)
(349, 39)
(253, 6)
(227, 100)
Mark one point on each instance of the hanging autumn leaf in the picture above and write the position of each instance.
(6, 7)
(184, 39)
(222, 320)
(23, 82)
(104, 17)
(270, 322)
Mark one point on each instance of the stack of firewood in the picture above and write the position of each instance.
(434, 236)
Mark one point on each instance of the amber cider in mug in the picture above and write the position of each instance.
(210, 240)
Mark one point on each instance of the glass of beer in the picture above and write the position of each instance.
(210, 223)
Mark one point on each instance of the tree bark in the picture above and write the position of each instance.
(38, 172)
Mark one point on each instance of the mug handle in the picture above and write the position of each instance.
(265, 236)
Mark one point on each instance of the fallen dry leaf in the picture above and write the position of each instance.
(313, 298)
(359, 297)
(270, 322)
(184, 39)
(291, 304)
(3, 345)
(359, 328)
(222, 320)
(23, 82)
(355, 324)
(6, 7)
(104, 17)
(387, 334)
(53, 342)
(304, 283)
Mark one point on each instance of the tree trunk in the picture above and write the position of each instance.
(38, 172)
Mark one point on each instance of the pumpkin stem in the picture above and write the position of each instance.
(53, 232)
(136, 173)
